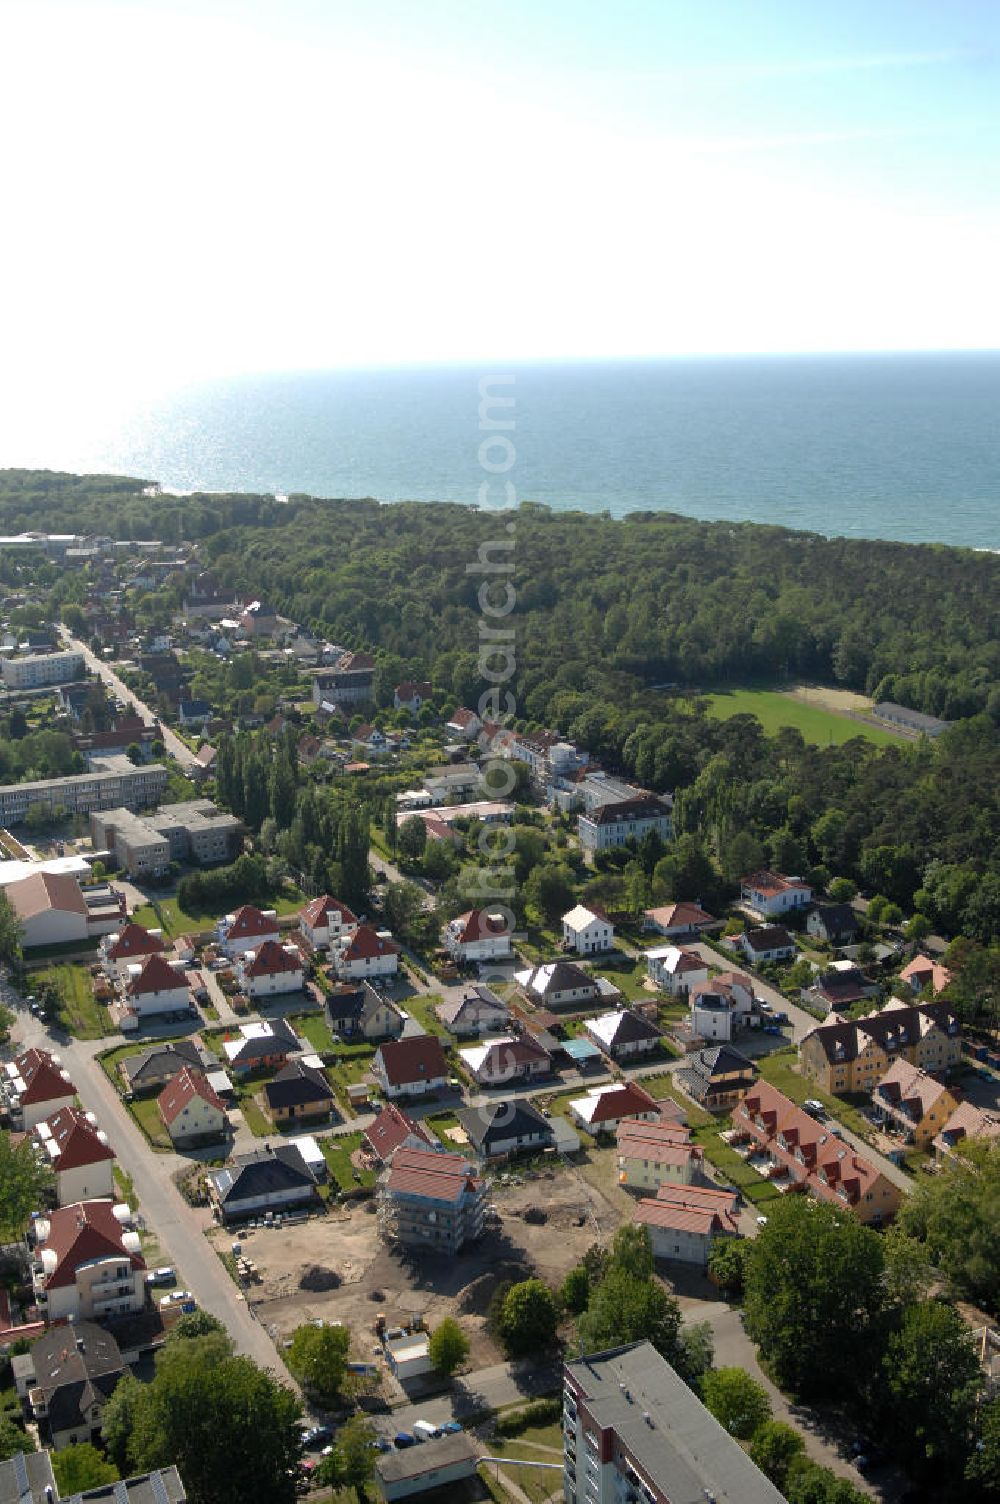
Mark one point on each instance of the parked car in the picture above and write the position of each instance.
(165, 1275)
(177, 1298)
(316, 1437)
(815, 1109)
(424, 1430)
(450, 1428)
(403, 1439)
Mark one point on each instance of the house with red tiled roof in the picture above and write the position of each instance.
(34, 1085)
(925, 975)
(366, 953)
(675, 920)
(191, 1111)
(413, 1067)
(464, 723)
(604, 1107)
(246, 929)
(78, 1153)
(391, 1130)
(88, 1262)
(325, 920)
(478, 935)
(787, 1146)
(514, 1057)
(154, 986)
(270, 969)
(411, 694)
(685, 1221)
(431, 1200)
(770, 895)
(655, 1154)
(131, 943)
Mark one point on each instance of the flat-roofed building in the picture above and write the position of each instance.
(111, 781)
(36, 670)
(193, 830)
(632, 1428)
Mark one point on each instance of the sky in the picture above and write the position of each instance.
(193, 190)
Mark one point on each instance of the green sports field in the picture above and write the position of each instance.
(774, 710)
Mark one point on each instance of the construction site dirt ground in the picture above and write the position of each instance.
(547, 1224)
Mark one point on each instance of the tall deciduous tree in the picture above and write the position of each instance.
(449, 1346)
(736, 1400)
(318, 1359)
(813, 1293)
(25, 1184)
(80, 1467)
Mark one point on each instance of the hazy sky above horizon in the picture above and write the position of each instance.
(206, 187)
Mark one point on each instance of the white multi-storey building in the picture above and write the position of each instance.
(36, 670)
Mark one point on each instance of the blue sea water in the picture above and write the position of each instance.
(888, 446)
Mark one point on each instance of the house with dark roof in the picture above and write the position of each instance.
(838, 986)
(834, 923)
(34, 1085)
(413, 1067)
(325, 920)
(356, 1011)
(501, 1129)
(622, 1035)
(717, 1077)
(769, 942)
(479, 1012)
(27, 1478)
(78, 1153)
(560, 984)
(272, 1179)
(192, 1112)
(853, 1054)
(610, 826)
(392, 1129)
(913, 721)
(434, 1201)
(261, 1045)
(150, 1070)
(499, 1062)
(298, 1091)
(87, 1262)
(66, 1380)
(194, 713)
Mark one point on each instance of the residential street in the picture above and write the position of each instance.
(179, 750)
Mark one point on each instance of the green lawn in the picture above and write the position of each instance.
(147, 1115)
(167, 914)
(775, 710)
(421, 1006)
(779, 1070)
(314, 1028)
(733, 1169)
(663, 1086)
(337, 1153)
(79, 1013)
(255, 1119)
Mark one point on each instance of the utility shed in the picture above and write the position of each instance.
(403, 1475)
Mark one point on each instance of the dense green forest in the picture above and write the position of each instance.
(605, 611)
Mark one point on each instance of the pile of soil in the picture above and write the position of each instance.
(318, 1279)
(535, 1216)
(475, 1298)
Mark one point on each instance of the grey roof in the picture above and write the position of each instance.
(25, 1477)
(162, 1486)
(838, 918)
(681, 1445)
(476, 1000)
(414, 1462)
(496, 1121)
(298, 1085)
(262, 1172)
(164, 1060)
(720, 1060)
(75, 1367)
(890, 711)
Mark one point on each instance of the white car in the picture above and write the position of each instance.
(176, 1298)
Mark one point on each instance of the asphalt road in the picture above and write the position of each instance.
(177, 1226)
(179, 750)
